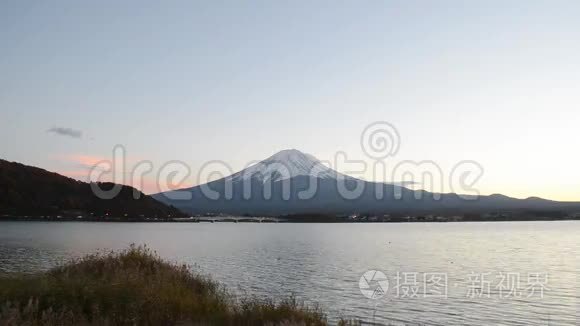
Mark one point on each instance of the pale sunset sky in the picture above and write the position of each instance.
(497, 82)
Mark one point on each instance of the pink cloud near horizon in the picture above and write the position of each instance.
(83, 164)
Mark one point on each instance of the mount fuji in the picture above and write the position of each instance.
(293, 182)
(286, 164)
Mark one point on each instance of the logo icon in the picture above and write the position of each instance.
(380, 140)
(373, 284)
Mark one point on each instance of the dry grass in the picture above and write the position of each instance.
(136, 287)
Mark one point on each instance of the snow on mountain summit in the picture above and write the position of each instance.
(286, 164)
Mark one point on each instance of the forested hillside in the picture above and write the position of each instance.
(26, 190)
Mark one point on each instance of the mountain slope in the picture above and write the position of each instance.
(27, 190)
(278, 184)
(286, 164)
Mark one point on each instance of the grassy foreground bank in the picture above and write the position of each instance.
(136, 287)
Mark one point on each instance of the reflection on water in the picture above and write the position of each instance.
(323, 263)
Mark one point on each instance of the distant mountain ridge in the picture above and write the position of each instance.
(27, 190)
(244, 193)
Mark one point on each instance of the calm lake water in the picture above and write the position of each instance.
(504, 273)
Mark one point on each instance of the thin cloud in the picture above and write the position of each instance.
(68, 132)
(85, 161)
(79, 166)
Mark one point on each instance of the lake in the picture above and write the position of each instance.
(496, 273)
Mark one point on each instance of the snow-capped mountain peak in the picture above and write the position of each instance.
(286, 164)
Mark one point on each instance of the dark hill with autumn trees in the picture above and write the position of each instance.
(31, 191)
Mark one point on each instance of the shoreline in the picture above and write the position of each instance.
(96, 290)
(268, 220)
